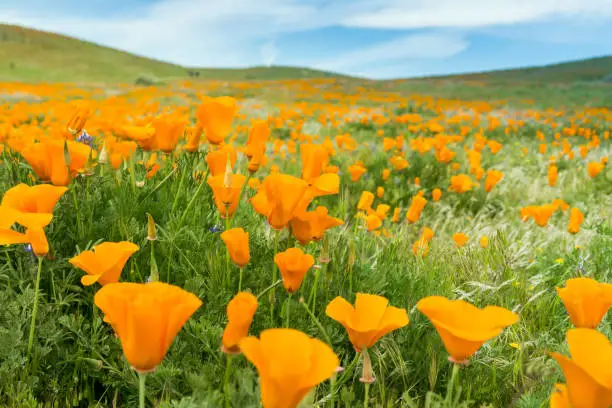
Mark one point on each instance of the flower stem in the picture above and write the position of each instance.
(367, 395)
(288, 311)
(141, 389)
(274, 275)
(132, 174)
(192, 201)
(312, 299)
(35, 306)
(178, 191)
(76, 209)
(269, 288)
(226, 387)
(240, 280)
(451, 384)
(317, 322)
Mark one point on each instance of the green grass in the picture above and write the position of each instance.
(78, 362)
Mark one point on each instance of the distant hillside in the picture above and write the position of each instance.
(32, 55)
(592, 69)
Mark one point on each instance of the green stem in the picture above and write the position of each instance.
(178, 191)
(317, 322)
(192, 201)
(274, 276)
(141, 389)
(332, 395)
(348, 372)
(154, 275)
(288, 311)
(76, 209)
(367, 395)
(269, 288)
(132, 174)
(312, 299)
(240, 280)
(35, 306)
(226, 385)
(451, 385)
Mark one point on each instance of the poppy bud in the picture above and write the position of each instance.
(151, 230)
(367, 373)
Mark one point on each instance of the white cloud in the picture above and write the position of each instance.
(411, 47)
(269, 52)
(407, 14)
(232, 33)
(188, 32)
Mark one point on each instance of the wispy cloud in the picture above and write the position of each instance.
(410, 14)
(234, 33)
(404, 49)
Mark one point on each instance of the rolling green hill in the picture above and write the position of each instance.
(32, 55)
(592, 69)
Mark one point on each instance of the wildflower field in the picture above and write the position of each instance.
(314, 243)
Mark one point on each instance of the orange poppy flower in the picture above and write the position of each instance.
(575, 221)
(8, 217)
(240, 312)
(396, 214)
(314, 159)
(540, 214)
(586, 301)
(356, 171)
(369, 320)
(258, 136)
(385, 174)
(168, 130)
(310, 226)
(104, 262)
(463, 327)
(194, 134)
(293, 265)
(39, 199)
(398, 163)
(365, 201)
(146, 317)
(461, 183)
(460, 239)
(325, 184)
(289, 364)
(594, 168)
(484, 241)
(237, 242)
(493, 177)
(373, 222)
(553, 175)
(216, 116)
(278, 198)
(48, 159)
(217, 159)
(382, 210)
(588, 373)
(226, 192)
(416, 207)
(421, 247)
(143, 135)
(559, 397)
(436, 194)
(380, 191)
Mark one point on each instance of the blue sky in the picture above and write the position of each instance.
(372, 38)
